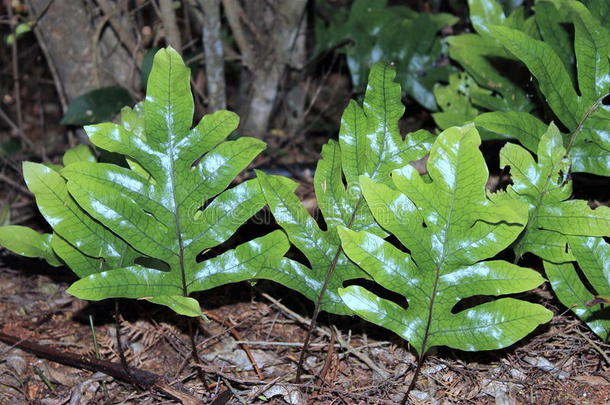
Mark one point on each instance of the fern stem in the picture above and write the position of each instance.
(420, 363)
(316, 311)
(195, 353)
(122, 357)
(588, 113)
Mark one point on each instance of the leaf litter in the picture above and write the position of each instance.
(557, 365)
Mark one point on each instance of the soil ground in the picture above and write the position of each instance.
(354, 363)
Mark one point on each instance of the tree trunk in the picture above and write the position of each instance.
(266, 35)
(172, 32)
(79, 62)
(214, 55)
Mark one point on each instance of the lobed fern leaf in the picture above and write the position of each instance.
(137, 232)
(545, 187)
(572, 76)
(77, 240)
(560, 230)
(369, 144)
(449, 227)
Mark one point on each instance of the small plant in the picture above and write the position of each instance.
(137, 231)
(369, 144)
(572, 83)
(371, 32)
(572, 76)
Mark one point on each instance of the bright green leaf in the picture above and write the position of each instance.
(522, 126)
(27, 242)
(545, 187)
(449, 227)
(181, 305)
(483, 12)
(71, 223)
(172, 204)
(593, 256)
(80, 153)
(369, 144)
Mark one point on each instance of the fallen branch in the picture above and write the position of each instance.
(144, 379)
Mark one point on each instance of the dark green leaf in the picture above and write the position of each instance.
(96, 106)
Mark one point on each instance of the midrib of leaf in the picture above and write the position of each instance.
(333, 264)
(169, 119)
(585, 117)
(377, 165)
(439, 265)
(211, 130)
(535, 212)
(545, 189)
(427, 334)
(350, 223)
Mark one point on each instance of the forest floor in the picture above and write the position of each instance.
(353, 363)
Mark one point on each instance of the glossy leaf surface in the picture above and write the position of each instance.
(139, 231)
(545, 187)
(172, 204)
(369, 144)
(450, 228)
(77, 240)
(27, 242)
(580, 109)
(519, 125)
(593, 257)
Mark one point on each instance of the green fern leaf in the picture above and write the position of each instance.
(593, 256)
(545, 188)
(583, 114)
(137, 232)
(77, 240)
(161, 207)
(27, 242)
(377, 33)
(449, 227)
(369, 144)
(476, 54)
